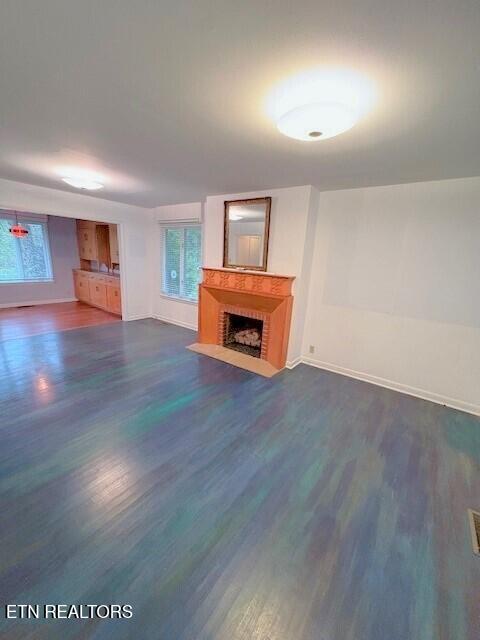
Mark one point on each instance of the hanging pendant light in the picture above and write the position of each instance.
(18, 230)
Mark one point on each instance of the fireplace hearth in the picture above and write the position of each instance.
(243, 334)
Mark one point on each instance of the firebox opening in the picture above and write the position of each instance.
(243, 334)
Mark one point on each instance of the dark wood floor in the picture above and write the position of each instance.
(20, 322)
(226, 506)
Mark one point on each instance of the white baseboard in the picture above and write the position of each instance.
(395, 386)
(13, 305)
(140, 316)
(178, 323)
(291, 364)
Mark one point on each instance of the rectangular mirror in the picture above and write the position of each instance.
(247, 224)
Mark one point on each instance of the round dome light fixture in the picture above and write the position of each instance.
(317, 121)
(81, 178)
(320, 103)
(83, 183)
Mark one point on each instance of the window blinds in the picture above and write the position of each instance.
(181, 261)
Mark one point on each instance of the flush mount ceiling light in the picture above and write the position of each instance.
(317, 121)
(83, 183)
(81, 179)
(320, 103)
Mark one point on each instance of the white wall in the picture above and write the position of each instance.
(394, 288)
(135, 225)
(62, 235)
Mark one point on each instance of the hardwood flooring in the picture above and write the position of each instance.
(29, 321)
(222, 505)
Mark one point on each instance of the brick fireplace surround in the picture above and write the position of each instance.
(263, 296)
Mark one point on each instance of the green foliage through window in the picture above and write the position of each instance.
(181, 261)
(24, 259)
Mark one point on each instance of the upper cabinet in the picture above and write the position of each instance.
(103, 244)
(87, 243)
(98, 242)
(113, 238)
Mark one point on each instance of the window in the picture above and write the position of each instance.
(181, 261)
(24, 259)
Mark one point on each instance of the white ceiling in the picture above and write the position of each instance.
(166, 98)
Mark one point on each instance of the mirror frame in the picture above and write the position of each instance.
(268, 205)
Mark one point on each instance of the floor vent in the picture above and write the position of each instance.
(474, 517)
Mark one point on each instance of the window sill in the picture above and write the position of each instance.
(46, 281)
(178, 299)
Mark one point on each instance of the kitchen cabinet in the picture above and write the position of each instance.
(114, 304)
(113, 241)
(86, 237)
(82, 291)
(98, 289)
(93, 242)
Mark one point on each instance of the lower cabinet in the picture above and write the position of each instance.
(99, 290)
(98, 293)
(81, 284)
(113, 299)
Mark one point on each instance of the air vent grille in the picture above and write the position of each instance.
(474, 517)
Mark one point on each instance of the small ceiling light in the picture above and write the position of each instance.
(81, 178)
(83, 183)
(320, 103)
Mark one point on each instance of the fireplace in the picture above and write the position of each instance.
(243, 314)
(243, 334)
